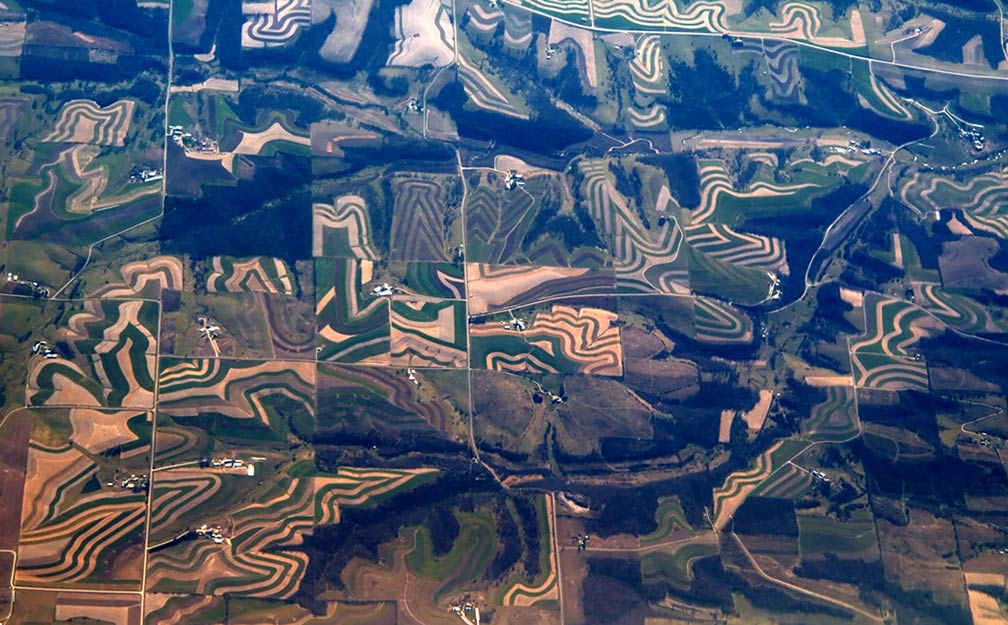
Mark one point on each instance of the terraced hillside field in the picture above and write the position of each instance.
(441, 280)
(835, 419)
(361, 488)
(644, 259)
(425, 223)
(112, 362)
(423, 35)
(545, 587)
(278, 27)
(165, 609)
(237, 389)
(74, 186)
(721, 202)
(562, 339)
(957, 310)
(352, 327)
(428, 334)
(717, 322)
(882, 358)
(258, 557)
(76, 532)
(486, 91)
(982, 198)
(343, 229)
(722, 243)
(741, 484)
(257, 275)
(703, 16)
(432, 579)
(147, 278)
(362, 399)
(83, 121)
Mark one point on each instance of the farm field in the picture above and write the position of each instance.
(80, 528)
(512, 312)
(352, 326)
(562, 339)
(255, 560)
(428, 334)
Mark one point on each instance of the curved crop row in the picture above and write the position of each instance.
(563, 339)
(255, 275)
(348, 217)
(83, 121)
(351, 327)
(357, 488)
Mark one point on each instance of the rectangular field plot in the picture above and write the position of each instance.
(342, 228)
(853, 538)
(425, 222)
(51, 606)
(238, 401)
(107, 359)
(495, 288)
(883, 357)
(429, 334)
(85, 494)
(216, 325)
(561, 339)
(443, 280)
(513, 413)
(164, 609)
(352, 326)
(246, 546)
(646, 257)
(385, 402)
(249, 275)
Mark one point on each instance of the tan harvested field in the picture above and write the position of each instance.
(97, 430)
(210, 84)
(756, 416)
(253, 142)
(897, 246)
(852, 297)
(114, 609)
(828, 380)
(490, 287)
(582, 38)
(724, 429)
(507, 162)
(83, 121)
(973, 53)
(958, 227)
(985, 609)
(326, 137)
